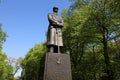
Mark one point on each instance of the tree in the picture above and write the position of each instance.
(6, 70)
(91, 26)
(33, 63)
(15, 63)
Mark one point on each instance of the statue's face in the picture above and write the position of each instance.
(55, 9)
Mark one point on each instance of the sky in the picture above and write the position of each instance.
(25, 22)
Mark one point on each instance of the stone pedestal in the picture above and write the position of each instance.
(57, 67)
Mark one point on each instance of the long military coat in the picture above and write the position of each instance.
(54, 35)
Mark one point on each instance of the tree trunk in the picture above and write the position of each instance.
(106, 57)
(105, 51)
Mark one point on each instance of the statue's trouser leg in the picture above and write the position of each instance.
(51, 49)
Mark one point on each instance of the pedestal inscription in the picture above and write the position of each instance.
(57, 67)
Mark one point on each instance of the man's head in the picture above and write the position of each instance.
(55, 9)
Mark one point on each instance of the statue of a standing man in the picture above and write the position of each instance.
(54, 36)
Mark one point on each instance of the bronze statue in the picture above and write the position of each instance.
(54, 36)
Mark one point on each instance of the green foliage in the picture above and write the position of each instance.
(92, 25)
(33, 63)
(2, 36)
(6, 70)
